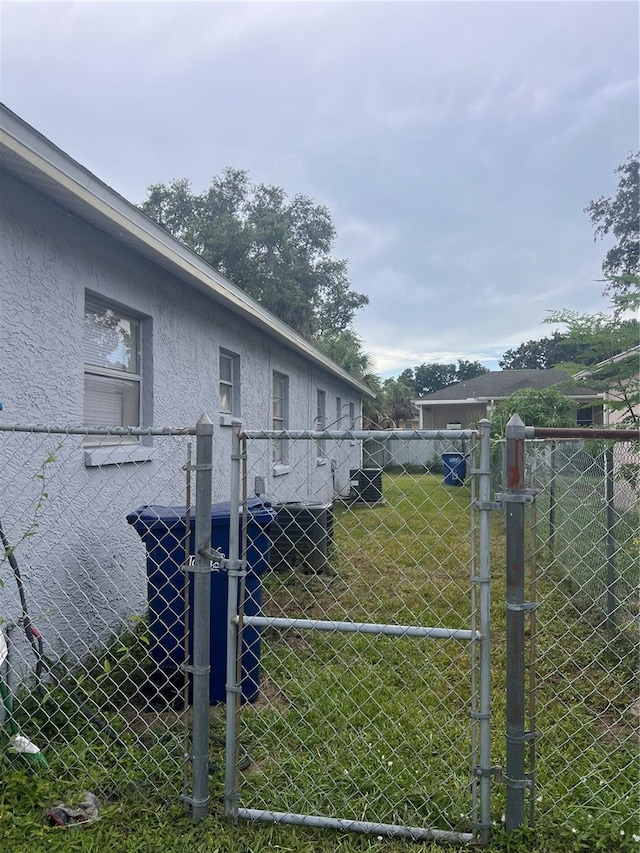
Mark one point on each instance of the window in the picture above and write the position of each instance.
(321, 419)
(584, 417)
(338, 412)
(229, 383)
(112, 374)
(280, 408)
(352, 416)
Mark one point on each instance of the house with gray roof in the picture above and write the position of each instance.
(466, 402)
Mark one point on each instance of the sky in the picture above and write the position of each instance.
(456, 144)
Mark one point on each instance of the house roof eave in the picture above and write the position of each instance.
(30, 157)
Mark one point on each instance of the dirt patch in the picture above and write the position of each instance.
(270, 696)
(613, 728)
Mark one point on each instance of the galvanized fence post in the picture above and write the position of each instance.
(515, 639)
(610, 543)
(201, 664)
(484, 494)
(235, 571)
(552, 500)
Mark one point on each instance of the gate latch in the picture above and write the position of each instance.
(502, 779)
(217, 562)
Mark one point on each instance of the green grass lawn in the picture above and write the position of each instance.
(378, 728)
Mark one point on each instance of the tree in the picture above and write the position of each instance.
(345, 348)
(609, 351)
(435, 375)
(277, 250)
(398, 400)
(620, 217)
(408, 378)
(543, 354)
(547, 407)
(469, 369)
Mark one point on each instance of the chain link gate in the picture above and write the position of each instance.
(358, 664)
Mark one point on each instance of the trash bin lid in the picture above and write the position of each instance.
(146, 517)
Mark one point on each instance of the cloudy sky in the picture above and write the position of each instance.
(455, 144)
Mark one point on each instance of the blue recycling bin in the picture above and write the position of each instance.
(163, 531)
(455, 468)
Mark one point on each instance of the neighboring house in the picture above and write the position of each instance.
(613, 416)
(626, 459)
(108, 320)
(464, 403)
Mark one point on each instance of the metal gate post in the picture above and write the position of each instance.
(610, 539)
(484, 723)
(235, 570)
(515, 666)
(201, 663)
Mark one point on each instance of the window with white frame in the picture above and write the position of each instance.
(280, 412)
(321, 419)
(229, 383)
(112, 370)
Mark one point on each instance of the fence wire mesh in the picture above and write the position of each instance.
(358, 726)
(102, 695)
(585, 574)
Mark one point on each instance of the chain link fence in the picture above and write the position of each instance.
(362, 695)
(352, 723)
(93, 607)
(583, 573)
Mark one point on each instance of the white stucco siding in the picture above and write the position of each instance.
(85, 563)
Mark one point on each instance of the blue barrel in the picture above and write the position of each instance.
(455, 468)
(162, 529)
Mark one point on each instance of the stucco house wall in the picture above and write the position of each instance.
(84, 564)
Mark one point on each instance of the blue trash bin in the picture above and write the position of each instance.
(162, 529)
(455, 468)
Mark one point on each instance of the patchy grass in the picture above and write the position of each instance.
(578, 558)
(377, 728)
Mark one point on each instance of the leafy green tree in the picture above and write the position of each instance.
(469, 369)
(432, 376)
(407, 377)
(620, 217)
(548, 408)
(541, 354)
(609, 347)
(278, 250)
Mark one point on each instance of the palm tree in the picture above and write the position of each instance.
(345, 348)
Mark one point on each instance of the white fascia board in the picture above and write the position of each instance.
(584, 374)
(467, 401)
(470, 401)
(37, 151)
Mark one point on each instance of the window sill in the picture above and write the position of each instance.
(279, 470)
(96, 457)
(322, 461)
(228, 420)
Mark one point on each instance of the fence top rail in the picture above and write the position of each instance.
(84, 430)
(582, 432)
(360, 435)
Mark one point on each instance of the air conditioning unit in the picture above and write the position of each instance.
(301, 535)
(366, 485)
